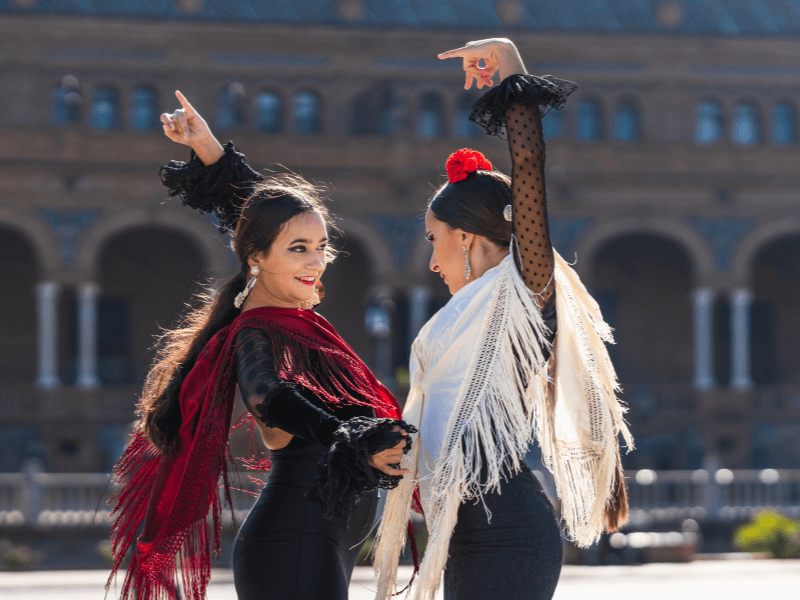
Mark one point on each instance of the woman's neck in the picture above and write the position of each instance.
(487, 256)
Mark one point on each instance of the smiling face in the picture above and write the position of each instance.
(289, 271)
(448, 257)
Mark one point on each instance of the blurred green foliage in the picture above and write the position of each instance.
(770, 532)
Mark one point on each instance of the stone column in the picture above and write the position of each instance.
(47, 305)
(703, 338)
(88, 295)
(741, 300)
(378, 322)
(419, 301)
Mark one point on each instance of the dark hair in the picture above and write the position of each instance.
(476, 205)
(272, 203)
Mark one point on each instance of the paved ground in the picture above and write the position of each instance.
(736, 579)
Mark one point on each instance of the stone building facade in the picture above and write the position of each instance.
(672, 179)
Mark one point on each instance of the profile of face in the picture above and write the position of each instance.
(289, 271)
(448, 257)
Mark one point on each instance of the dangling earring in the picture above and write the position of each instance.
(467, 269)
(242, 296)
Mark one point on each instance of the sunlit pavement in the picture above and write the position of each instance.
(734, 579)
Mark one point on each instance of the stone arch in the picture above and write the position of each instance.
(215, 253)
(378, 250)
(700, 256)
(20, 271)
(147, 276)
(751, 244)
(47, 250)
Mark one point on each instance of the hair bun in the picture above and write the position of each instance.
(464, 162)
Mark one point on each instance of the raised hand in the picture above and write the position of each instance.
(497, 54)
(186, 126)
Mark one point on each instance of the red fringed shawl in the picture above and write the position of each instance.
(171, 497)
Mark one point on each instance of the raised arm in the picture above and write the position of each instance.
(514, 110)
(217, 178)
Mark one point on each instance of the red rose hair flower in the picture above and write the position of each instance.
(465, 161)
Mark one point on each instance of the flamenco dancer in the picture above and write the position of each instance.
(333, 431)
(518, 351)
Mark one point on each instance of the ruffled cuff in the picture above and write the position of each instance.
(548, 92)
(345, 475)
(220, 188)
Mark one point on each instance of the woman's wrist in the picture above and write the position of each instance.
(208, 150)
(510, 61)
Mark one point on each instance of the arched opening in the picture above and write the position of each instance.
(709, 122)
(775, 325)
(268, 113)
(746, 125)
(147, 275)
(307, 114)
(18, 325)
(105, 108)
(144, 108)
(347, 282)
(784, 123)
(643, 285)
(590, 120)
(775, 362)
(230, 106)
(626, 122)
(430, 117)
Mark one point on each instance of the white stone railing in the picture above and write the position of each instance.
(80, 499)
(721, 494)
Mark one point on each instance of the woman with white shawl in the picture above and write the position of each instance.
(517, 352)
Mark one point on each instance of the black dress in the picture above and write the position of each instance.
(285, 548)
(517, 554)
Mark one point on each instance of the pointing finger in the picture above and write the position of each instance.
(185, 104)
(455, 53)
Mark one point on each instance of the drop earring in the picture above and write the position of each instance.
(242, 296)
(467, 269)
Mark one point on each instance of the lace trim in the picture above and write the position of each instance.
(220, 188)
(548, 92)
(345, 475)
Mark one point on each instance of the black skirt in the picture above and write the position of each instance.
(515, 556)
(285, 550)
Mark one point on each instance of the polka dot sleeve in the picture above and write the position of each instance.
(529, 201)
(513, 111)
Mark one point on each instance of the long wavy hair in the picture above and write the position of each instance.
(272, 204)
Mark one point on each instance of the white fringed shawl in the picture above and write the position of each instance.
(480, 388)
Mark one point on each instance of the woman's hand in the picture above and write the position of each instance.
(498, 54)
(385, 459)
(186, 126)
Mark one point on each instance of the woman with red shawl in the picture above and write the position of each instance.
(333, 431)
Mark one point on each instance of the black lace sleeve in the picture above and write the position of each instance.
(345, 475)
(275, 402)
(514, 111)
(220, 188)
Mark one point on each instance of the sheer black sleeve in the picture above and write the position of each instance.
(344, 472)
(514, 111)
(275, 402)
(220, 188)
